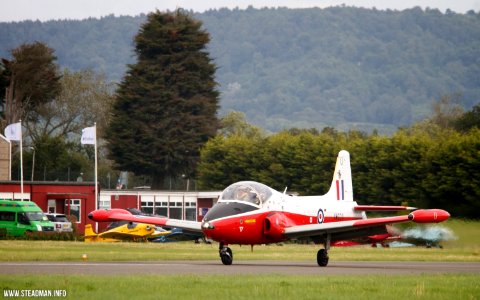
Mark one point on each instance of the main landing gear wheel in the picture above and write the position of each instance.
(322, 258)
(226, 256)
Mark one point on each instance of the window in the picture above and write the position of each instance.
(21, 197)
(147, 207)
(191, 211)
(175, 209)
(36, 216)
(161, 206)
(22, 219)
(161, 211)
(176, 213)
(147, 204)
(7, 216)
(73, 208)
(104, 202)
(52, 206)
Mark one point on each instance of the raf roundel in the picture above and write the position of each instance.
(320, 216)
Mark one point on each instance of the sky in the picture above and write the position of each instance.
(44, 10)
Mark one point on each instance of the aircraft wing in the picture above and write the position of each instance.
(110, 215)
(382, 208)
(125, 235)
(349, 229)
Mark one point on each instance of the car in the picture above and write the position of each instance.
(61, 222)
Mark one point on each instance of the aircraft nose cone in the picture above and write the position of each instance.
(208, 225)
(90, 216)
(444, 215)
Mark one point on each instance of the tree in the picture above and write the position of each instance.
(165, 107)
(85, 98)
(234, 123)
(452, 179)
(55, 159)
(446, 111)
(32, 79)
(469, 120)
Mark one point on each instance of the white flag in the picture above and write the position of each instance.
(89, 135)
(13, 131)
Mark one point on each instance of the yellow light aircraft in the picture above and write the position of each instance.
(135, 232)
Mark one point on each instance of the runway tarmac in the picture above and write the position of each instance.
(239, 267)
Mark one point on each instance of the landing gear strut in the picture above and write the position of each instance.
(322, 254)
(226, 254)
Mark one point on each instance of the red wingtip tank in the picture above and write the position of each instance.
(429, 216)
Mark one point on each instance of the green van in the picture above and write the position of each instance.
(19, 217)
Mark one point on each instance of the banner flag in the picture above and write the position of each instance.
(89, 135)
(13, 131)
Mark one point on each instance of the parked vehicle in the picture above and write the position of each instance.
(61, 222)
(20, 217)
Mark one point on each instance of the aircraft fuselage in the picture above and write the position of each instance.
(252, 213)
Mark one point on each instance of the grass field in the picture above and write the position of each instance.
(252, 287)
(73, 251)
(465, 248)
(443, 286)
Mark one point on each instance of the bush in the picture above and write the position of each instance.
(41, 236)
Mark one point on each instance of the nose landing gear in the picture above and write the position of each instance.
(226, 254)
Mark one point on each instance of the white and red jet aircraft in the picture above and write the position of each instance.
(251, 213)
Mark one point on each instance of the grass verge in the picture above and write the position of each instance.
(465, 248)
(73, 251)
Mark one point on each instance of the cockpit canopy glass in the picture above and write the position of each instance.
(247, 191)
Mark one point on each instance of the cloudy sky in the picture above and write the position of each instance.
(19, 10)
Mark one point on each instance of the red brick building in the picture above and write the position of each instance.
(70, 198)
(78, 199)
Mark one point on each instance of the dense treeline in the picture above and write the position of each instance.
(341, 66)
(104, 45)
(423, 166)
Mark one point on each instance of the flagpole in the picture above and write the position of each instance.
(96, 167)
(89, 137)
(10, 162)
(21, 161)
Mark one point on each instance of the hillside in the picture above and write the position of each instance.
(344, 67)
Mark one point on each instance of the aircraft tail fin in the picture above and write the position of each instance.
(89, 231)
(342, 188)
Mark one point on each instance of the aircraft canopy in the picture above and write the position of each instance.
(247, 191)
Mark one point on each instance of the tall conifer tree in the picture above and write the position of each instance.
(166, 105)
(28, 80)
